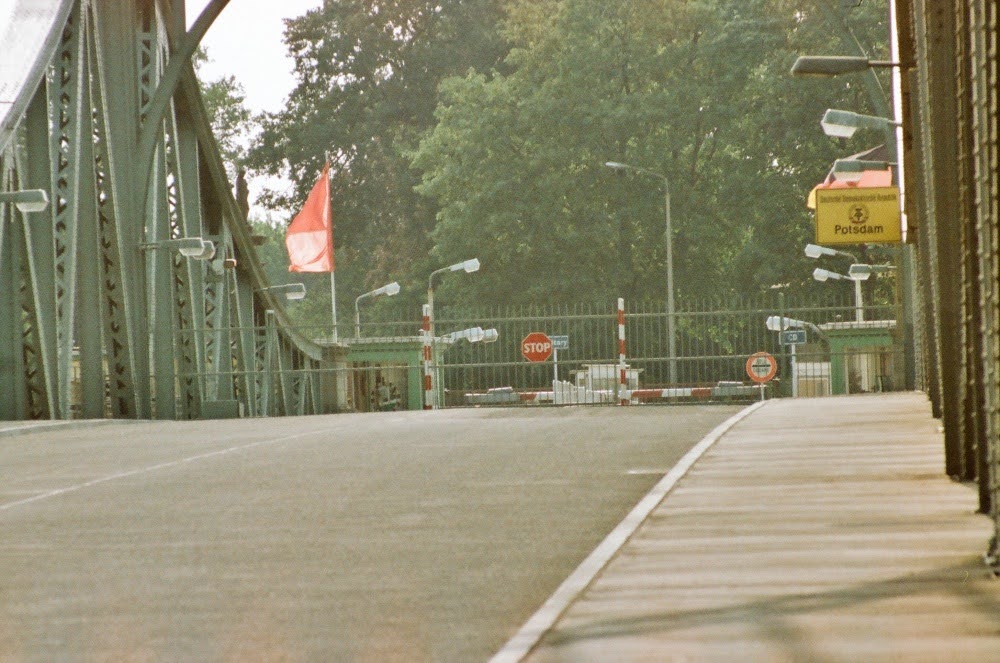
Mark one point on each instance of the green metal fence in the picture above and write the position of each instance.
(713, 343)
(824, 347)
(381, 367)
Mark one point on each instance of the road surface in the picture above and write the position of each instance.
(410, 536)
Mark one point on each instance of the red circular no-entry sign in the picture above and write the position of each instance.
(536, 346)
(761, 367)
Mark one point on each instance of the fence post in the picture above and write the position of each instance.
(623, 394)
(428, 354)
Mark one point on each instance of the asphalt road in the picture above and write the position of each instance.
(412, 536)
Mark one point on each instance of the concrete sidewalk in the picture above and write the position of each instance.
(813, 530)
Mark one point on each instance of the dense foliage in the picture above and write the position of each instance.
(464, 128)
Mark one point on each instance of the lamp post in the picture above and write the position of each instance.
(467, 266)
(857, 272)
(293, 291)
(821, 274)
(27, 200)
(388, 290)
(162, 343)
(826, 66)
(669, 242)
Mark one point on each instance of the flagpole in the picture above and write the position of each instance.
(333, 280)
(333, 304)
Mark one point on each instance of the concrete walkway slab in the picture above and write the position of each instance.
(814, 530)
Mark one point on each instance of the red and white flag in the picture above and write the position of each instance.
(309, 239)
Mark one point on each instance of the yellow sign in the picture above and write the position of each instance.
(858, 216)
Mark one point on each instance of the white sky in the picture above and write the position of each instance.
(245, 41)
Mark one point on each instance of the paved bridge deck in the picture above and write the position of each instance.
(813, 530)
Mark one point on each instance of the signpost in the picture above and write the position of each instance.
(761, 367)
(558, 343)
(791, 338)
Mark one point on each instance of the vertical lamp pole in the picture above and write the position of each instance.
(467, 266)
(669, 242)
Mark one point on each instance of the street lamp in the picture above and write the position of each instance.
(293, 291)
(821, 274)
(669, 241)
(189, 247)
(853, 170)
(843, 124)
(467, 266)
(27, 200)
(864, 271)
(857, 272)
(473, 335)
(834, 65)
(815, 251)
(388, 290)
(780, 324)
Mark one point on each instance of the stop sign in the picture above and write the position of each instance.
(536, 346)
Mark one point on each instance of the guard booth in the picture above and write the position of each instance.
(865, 357)
(385, 374)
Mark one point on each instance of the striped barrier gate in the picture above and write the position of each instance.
(428, 354)
(623, 394)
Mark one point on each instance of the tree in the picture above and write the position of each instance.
(696, 91)
(368, 73)
(232, 122)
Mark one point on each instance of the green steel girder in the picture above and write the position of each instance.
(95, 320)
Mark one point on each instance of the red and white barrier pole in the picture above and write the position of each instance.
(428, 354)
(623, 394)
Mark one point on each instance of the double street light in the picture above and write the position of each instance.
(473, 335)
(821, 274)
(857, 273)
(669, 241)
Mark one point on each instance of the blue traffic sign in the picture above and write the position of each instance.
(793, 337)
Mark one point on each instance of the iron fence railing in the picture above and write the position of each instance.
(383, 367)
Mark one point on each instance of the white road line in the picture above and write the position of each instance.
(56, 492)
(519, 646)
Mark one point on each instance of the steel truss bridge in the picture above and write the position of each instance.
(102, 311)
(100, 316)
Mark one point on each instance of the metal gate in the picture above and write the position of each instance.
(820, 348)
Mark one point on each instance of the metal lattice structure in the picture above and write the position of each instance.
(948, 58)
(100, 314)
